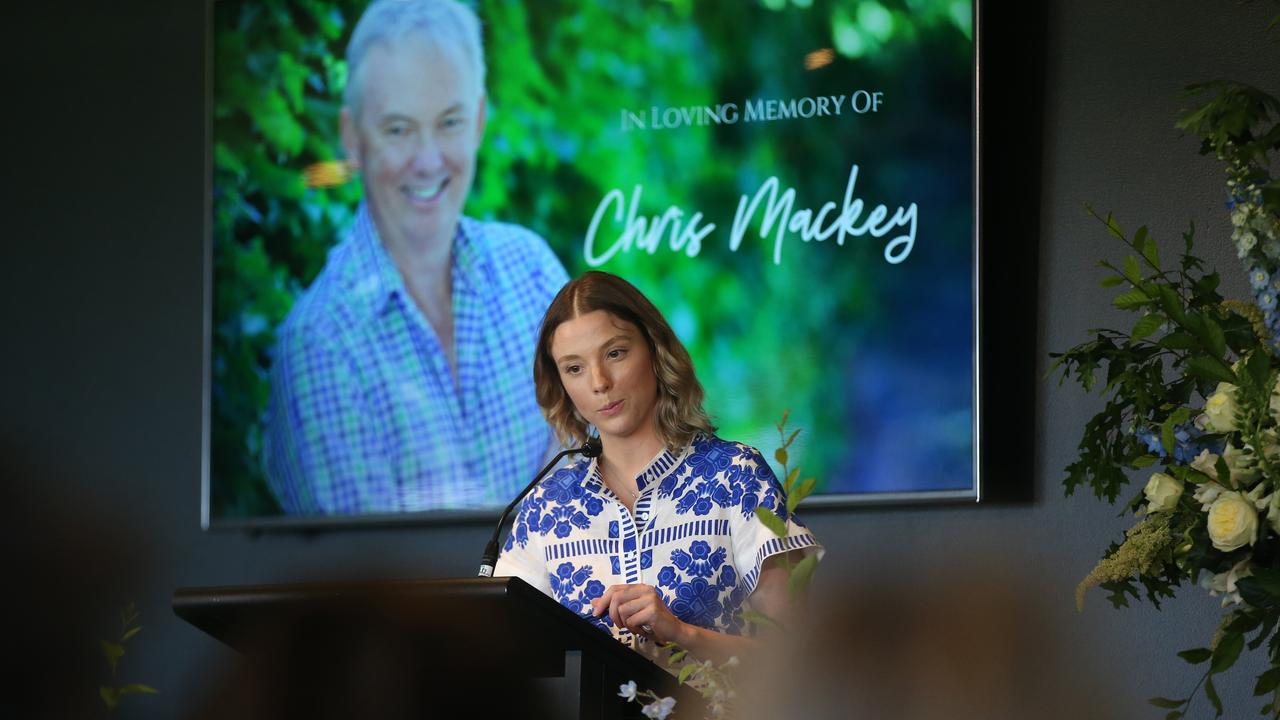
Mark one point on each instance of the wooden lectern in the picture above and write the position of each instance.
(466, 630)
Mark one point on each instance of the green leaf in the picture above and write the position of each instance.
(1212, 693)
(1147, 246)
(1167, 439)
(1223, 471)
(1114, 227)
(1144, 461)
(1161, 702)
(792, 438)
(1175, 715)
(686, 671)
(1225, 654)
(1131, 300)
(110, 697)
(1267, 681)
(1213, 337)
(1196, 655)
(112, 652)
(802, 492)
(677, 657)
(1146, 325)
(1261, 589)
(801, 574)
(1211, 368)
(1112, 281)
(780, 455)
(1177, 341)
(1171, 302)
(756, 618)
(772, 521)
(130, 633)
(791, 479)
(1132, 270)
(137, 689)
(1258, 367)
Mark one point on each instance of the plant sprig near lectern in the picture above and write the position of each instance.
(1192, 389)
(113, 651)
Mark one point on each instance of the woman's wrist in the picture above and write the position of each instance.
(686, 634)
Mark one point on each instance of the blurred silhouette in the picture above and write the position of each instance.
(959, 644)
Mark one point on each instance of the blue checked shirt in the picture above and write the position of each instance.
(364, 414)
(693, 535)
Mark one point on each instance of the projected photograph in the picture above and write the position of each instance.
(792, 183)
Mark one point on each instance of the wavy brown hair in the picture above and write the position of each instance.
(679, 413)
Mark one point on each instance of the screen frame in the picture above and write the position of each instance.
(1006, 53)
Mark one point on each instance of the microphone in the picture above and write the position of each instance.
(591, 448)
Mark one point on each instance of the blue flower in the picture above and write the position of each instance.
(594, 589)
(1267, 300)
(594, 505)
(1259, 279)
(565, 570)
(702, 507)
(700, 549)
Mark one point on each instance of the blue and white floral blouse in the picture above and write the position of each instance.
(694, 535)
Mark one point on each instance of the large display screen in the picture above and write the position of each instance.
(792, 182)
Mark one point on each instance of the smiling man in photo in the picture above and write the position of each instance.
(402, 379)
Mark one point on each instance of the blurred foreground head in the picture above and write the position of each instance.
(973, 645)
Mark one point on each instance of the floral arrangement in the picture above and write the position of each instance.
(1191, 392)
(715, 683)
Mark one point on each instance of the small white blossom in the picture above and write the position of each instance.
(659, 709)
(627, 690)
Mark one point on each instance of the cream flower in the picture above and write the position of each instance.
(1233, 521)
(1162, 493)
(1240, 465)
(1205, 494)
(1224, 583)
(1272, 504)
(1220, 410)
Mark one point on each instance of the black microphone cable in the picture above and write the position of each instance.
(591, 448)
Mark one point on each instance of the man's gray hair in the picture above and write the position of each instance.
(442, 21)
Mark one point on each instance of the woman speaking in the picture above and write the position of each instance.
(657, 538)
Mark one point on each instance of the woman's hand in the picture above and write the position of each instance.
(640, 609)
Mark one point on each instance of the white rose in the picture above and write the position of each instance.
(1162, 493)
(1233, 522)
(1220, 409)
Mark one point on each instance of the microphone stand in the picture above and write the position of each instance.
(591, 448)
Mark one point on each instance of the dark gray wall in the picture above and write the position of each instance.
(101, 366)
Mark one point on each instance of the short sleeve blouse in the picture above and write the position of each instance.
(694, 534)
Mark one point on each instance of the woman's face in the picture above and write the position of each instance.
(607, 368)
